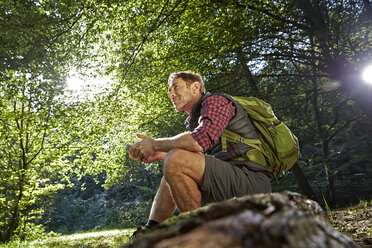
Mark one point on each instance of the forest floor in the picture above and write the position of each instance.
(355, 222)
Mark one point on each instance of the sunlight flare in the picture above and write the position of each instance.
(367, 74)
(75, 83)
(82, 85)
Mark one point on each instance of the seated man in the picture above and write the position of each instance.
(196, 168)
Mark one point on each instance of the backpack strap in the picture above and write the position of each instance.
(236, 138)
(256, 154)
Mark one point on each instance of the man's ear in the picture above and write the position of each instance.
(196, 87)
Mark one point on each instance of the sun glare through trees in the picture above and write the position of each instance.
(367, 74)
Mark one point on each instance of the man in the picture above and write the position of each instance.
(196, 168)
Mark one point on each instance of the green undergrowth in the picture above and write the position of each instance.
(104, 239)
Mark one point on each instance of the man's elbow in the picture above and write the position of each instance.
(194, 144)
(196, 147)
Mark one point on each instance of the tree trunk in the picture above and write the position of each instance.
(14, 222)
(265, 220)
(303, 183)
(253, 89)
(329, 174)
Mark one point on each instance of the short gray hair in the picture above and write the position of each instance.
(189, 77)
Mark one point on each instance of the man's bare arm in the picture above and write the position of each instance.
(149, 146)
(182, 141)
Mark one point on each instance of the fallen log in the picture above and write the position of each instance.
(265, 220)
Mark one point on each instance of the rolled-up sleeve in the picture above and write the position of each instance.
(216, 112)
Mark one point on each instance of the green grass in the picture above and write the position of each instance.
(104, 239)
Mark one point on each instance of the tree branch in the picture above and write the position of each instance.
(342, 127)
(137, 50)
(275, 17)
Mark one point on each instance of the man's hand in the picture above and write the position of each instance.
(156, 157)
(144, 150)
(147, 147)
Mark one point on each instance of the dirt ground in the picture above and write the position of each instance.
(355, 222)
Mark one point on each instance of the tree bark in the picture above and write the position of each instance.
(303, 183)
(252, 84)
(329, 172)
(265, 220)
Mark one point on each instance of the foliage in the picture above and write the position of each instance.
(35, 127)
(27, 159)
(88, 206)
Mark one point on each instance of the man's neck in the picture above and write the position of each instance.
(195, 101)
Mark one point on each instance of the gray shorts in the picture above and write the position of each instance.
(223, 181)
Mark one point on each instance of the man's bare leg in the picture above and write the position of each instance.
(184, 173)
(163, 206)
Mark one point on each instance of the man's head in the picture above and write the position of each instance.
(185, 89)
(189, 77)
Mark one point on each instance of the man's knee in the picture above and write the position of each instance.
(173, 162)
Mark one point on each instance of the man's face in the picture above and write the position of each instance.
(182, 96)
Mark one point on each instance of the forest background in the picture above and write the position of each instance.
(63, 162)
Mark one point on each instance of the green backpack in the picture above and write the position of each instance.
(277, 146)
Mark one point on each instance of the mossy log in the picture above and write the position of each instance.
(265, 220)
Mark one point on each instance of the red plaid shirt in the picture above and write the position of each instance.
(216, 112)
